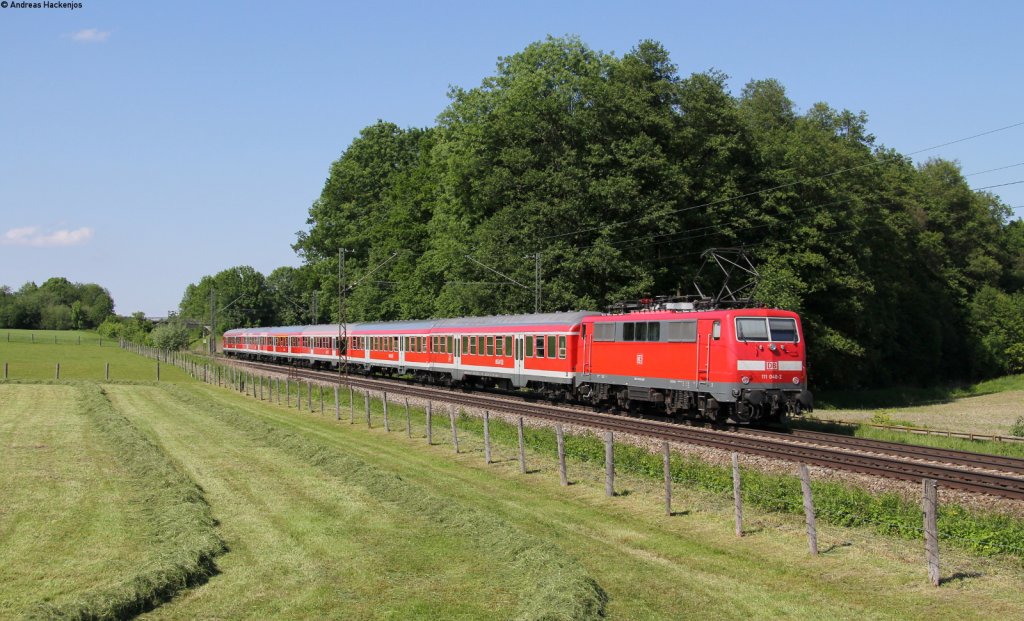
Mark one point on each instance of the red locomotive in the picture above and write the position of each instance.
(742, 365)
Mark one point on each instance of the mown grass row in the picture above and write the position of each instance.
(186, 541)
(561, 589)
(835, 503)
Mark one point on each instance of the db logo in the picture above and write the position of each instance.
(3, 5)
(640, 359)
(772, 366)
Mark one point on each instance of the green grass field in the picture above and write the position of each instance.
(26, 360)
(326, 519)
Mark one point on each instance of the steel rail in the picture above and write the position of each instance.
(950, 456)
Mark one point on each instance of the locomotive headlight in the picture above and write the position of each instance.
(772, 347)
(745, 379)
(796, 381)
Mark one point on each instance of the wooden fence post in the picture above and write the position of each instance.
(929, 505)
(430, 422)
(455, 432)
(351, 406)
(158, 370)
(387, 423)
(522, 451)
(366, 398)
(408, 420)
(57, 371)
(736, 493)
(309, 395)
(5, 364)
(287, 392)
(812, 531)
(337, 404)
(261, 388)
(666, 459)
(609, 464)
(320, 387)
(563, 476)
(487, 437)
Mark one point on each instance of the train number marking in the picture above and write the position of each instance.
(639, 359)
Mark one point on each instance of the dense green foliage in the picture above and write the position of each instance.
(57, 304)
(243, 297)
(620, 172)
(135, 328)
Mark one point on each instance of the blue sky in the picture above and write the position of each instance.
(146, 144)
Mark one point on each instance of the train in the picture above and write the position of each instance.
(733, 365)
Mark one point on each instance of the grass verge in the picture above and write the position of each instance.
(835, 503)
(909, 396)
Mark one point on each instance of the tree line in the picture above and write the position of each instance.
(620, 171)
(57, 304)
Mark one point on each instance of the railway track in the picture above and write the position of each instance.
(973, 472)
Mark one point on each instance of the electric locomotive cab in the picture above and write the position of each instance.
(770, 365)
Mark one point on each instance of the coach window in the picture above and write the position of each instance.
(640, 331)
(551, 347)
(499, 350)
(465, 345)
(654, 331)
(508, 346)
(716, 330)
(529, 346)
(451, 344)
(561, 347)
(540, 346)
(627, 331)
(490, 346)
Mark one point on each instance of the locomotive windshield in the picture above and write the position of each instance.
(766, 329)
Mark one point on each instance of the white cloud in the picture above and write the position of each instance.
(90, 35)
(32, 236)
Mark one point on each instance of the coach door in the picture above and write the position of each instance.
(707, 333)
(517, 374)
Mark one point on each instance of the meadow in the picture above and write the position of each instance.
(252, 509)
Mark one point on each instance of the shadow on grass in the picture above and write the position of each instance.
(835, 546)
(900, 397)
(960, 577)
